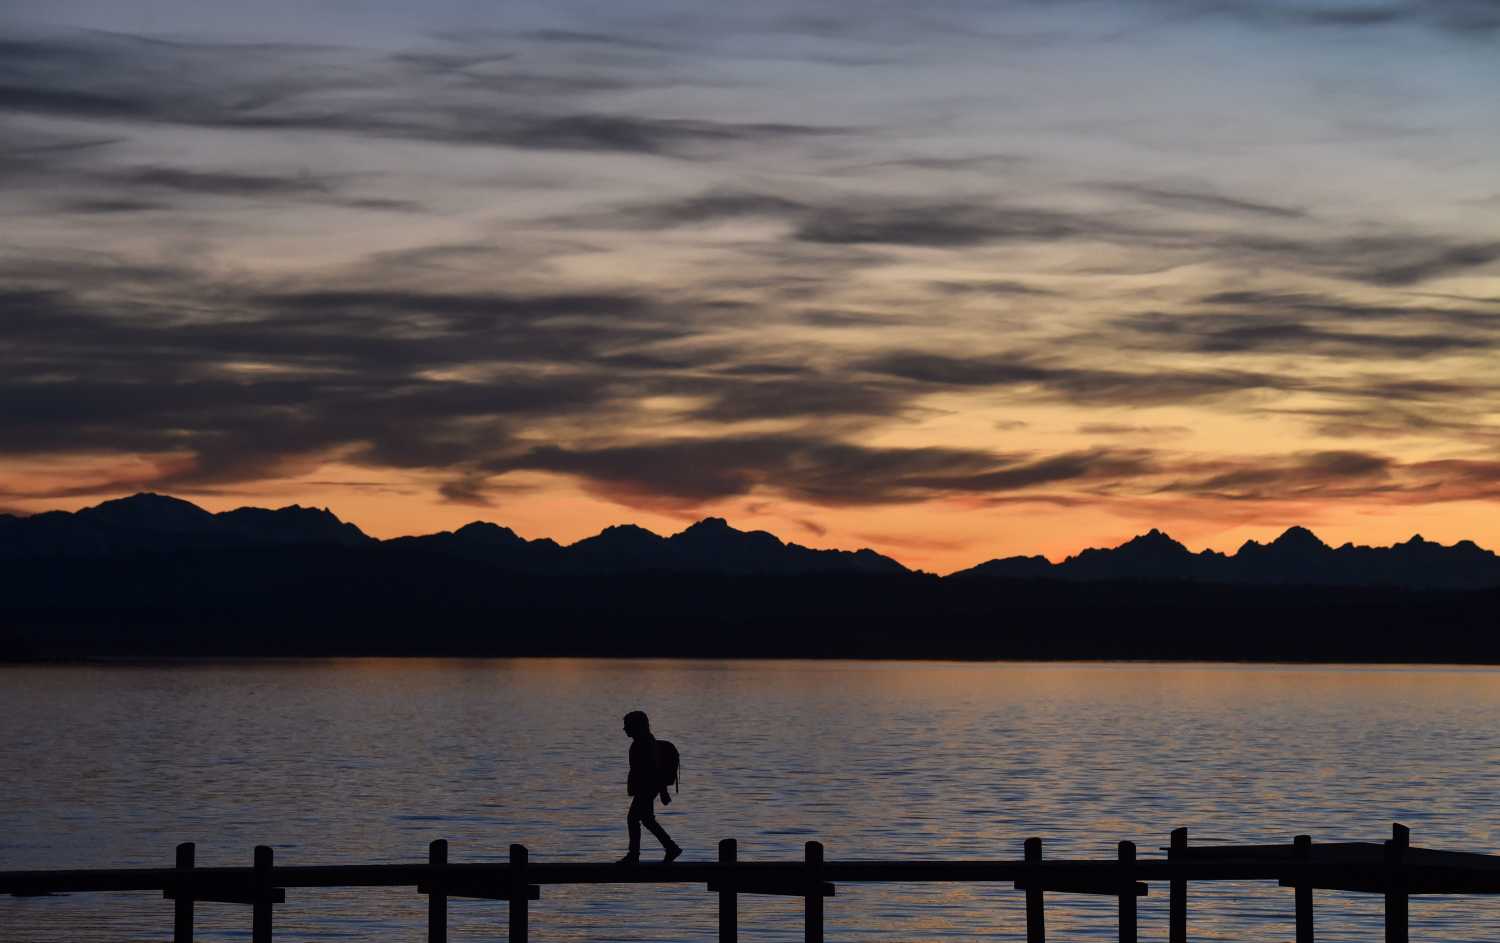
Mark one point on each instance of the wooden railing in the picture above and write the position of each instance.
(1392, 868)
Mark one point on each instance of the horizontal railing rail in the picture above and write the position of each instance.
(1391, 868)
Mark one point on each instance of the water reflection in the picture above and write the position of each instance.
(367, 760)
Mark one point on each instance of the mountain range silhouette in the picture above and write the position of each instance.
(146, 523)
(153, 523)
(153, 576)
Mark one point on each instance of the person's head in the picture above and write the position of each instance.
(636, 723)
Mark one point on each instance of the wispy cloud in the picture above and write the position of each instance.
(1229, 333)
(1202, 202)
(1074, 383)
(691, 471)
(272, 88)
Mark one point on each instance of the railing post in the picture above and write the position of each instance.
(1036, 917)
(260, 926)
(519, 928)
(1302, 848)
(1127, 893)
(1177, 907)
(813, 908)
(437, 899)
(1396, 916)
(729, 906)
(182, 918)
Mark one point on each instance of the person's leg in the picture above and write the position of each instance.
(647, 814)
(633, 824)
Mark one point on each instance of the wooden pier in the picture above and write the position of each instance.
(1391, 868)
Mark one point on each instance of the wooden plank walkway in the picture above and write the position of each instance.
(1391, 868)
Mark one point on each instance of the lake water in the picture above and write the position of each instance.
(365, 761)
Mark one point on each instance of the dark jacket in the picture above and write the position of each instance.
(644, 780)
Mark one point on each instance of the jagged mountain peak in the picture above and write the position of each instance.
(146, 499)
(487, 532)
(288, 511)
(149, 511)
(290, 524)
(1153, 539)
(626, 530)
(1299, 537)
(1295, 539)
(710, 525)
(624, 544)
(717, 532)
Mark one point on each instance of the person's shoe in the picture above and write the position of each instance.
(633, 857)
(672, 854)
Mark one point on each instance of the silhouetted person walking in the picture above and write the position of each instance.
(647, 779)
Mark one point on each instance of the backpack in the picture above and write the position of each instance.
(668, 760)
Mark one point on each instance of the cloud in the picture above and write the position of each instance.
(210, 183)
(1455, 480)
(283, 377)
(1330, 475)
(68, 103)
(479, 385)
(712, 206)
(33, 153)
(843, 219)
(272, 88)
(1200, 201)
(1262, 334)
(1321, 325)
(459, 310)
(574, 37)
(1467, 19)
(1294, 477)
(272, 381)
(943, 370)
(695, 471)
(804, 395)
(1457, 417)
(73, 168)
(838, 320)
(1077, 384)
(1392, 258)
(466, 489)
(1463, 17)
(1090, 465)
(1335, 308)
(975, 162)
(990, 287)
(243, 380)
(1395, 263)
(109, 207)
(942, 226)
(811, 526)
(1127, 429)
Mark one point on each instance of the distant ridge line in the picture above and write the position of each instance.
(154, 523)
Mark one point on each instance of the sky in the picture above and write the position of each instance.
(952, 280)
